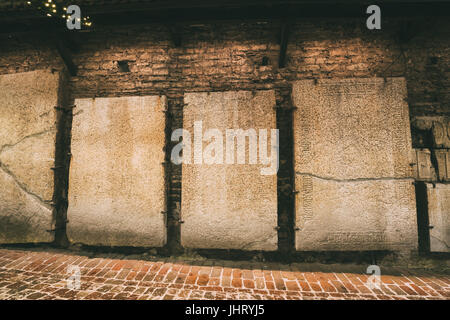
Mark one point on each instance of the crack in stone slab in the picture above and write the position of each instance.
(22, 187)
(6, 146)
(263, 241)
(354, 179)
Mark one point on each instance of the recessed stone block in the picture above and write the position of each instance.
(117, 184)
(27, 154)
(353, 158)
(443, 164)
(439, 216)
(229, 206)
(425, 170)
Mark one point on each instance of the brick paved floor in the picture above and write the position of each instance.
(28, 274)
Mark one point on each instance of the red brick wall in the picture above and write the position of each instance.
(226, 56)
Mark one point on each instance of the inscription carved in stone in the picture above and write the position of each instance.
(352, 159)
(231, 206)
(443, 162)
(425, 169)
(27, 151)
(116, 185)
(439, 216)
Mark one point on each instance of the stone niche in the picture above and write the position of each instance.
(116, 183)
(439, 216)
(27, 155)
(229, 206)
(353, 174)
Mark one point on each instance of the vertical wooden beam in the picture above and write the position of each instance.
(175, 33)
(284, 34)
(66, 56)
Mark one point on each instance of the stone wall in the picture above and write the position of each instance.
(238, 56)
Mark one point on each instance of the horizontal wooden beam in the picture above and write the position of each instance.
(159, 13)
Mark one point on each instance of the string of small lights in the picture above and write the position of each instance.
(54, 9)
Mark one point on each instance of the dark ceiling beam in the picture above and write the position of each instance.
(123, 6)
(239, 4)
(299, 11)
(186, 12)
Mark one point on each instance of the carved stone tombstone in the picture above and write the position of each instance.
(353, 152)
(229, 206)
(443, 164)
(117, 188)
(425, 170)
(27, 155)
(439, 216)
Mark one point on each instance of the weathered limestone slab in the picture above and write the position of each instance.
(439, 216)
(443, 163)
(229, 206)
(352, 162)
(424, 168)
(117, 185)
(27, 154)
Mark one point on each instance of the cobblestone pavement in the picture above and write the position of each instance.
(30, 274)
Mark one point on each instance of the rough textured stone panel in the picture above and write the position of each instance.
(117, 188)
(441, 132)
(439, 216)
(425, 170)
(27, 152)
(443, 164)
(229, 206)
(352, 162)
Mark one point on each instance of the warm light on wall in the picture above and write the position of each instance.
(51, 9)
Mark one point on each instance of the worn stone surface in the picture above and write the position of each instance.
(27, 153)
(229, 206)
(424, 168)
(443, 164)
(352, 162)
(439, 216)
(117, 188)
(428, 170)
